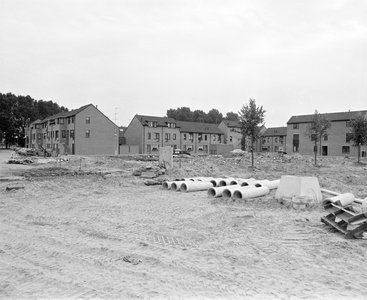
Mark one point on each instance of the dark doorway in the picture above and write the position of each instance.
(324, 150)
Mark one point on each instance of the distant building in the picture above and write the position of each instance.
(274, 139)
(336, 142)
(83, 131)
(233, 136)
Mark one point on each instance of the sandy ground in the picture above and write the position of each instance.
(93, 230)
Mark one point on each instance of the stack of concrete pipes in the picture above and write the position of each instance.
(235, 188)
(242, 188)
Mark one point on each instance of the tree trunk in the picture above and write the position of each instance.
(252, 153)
(315, 150)
(359, 153)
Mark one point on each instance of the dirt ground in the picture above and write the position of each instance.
(87, 228)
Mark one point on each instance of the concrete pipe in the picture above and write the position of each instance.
(195, 186)
(240, 180)
(248, 193)
(342, 199)
(270, 184)
(359, 201)
(228, 193)
(215, 192)
(176, 186)
(215, 181)
(201, 178)
(226, 181)
(249, 182)
(167, 185)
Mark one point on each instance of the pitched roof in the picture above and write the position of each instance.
(198, 127)
(275, 131)
(65, 114)
(161, 121)
(231, 123)
(332, 117)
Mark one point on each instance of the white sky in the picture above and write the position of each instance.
(145, 57)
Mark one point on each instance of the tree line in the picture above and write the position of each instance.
(213, 116)
(17, 112)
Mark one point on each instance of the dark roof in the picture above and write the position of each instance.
(65, 113)
(198, 127)
(161, 121)
(275, 131)
(332, 117)
(230, 123)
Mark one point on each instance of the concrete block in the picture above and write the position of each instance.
(294, 186)
(166, 157)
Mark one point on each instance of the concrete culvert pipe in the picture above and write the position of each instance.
(248, 182)
(226, 181)
(176, 186)
(228, 192)
(270, 184)
(195, 186)
(248, 193)
(215, 192)
(240, 180)
(215, 181)
(167, 185)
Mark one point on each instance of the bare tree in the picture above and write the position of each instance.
(250, 117)
(359, 131)
(318, 127)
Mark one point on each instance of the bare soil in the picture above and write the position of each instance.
(87, 228)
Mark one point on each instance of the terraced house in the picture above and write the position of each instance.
(274, 139)
(150, 132)
(83, 131)
(337, 142)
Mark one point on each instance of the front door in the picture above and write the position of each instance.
(324, 150)
(149, 149)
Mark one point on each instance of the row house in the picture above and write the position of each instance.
(336, 142)
(150, 132)
(83, 131)
(274, 139)
(233, 136)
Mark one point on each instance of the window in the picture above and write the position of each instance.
(348, 137)
(171, 125)
(37, 126)
(184, 136)
(295, 142)
(56, 134)
(295, 126)
(276, 140)
(44, 136)
(72, 134)
(364, 153)
(214, 138)
(200, 148)
(48, 135)
(68, 120)
(349, 124)
(191, 137)
(39, 136)
(200, 137)
(63, 133)
(345, 149)
(174, 136)
(219, 138)
(154, 148)
(87, 120)
(87, 133)
(168, 136)
(205, 137)
(281, 140)
(156, 136)
(326, 137)
(268, 140)
(72, 119)
(149, 135)
(264, 141)
(61, 121)
(152, 124)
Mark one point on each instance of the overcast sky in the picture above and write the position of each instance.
(145, 57)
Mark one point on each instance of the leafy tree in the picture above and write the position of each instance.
(359, 131)
(17, 112)
(180, 114)
(199, 116)
(214, 116)
(317, 129)
(250, 117)
(231, 116)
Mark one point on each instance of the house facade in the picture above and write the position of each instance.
(274, 139)
(200, 138)
(83, 131)
(336, 142)
(150, 132)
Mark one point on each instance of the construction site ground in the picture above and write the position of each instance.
(87, 228)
